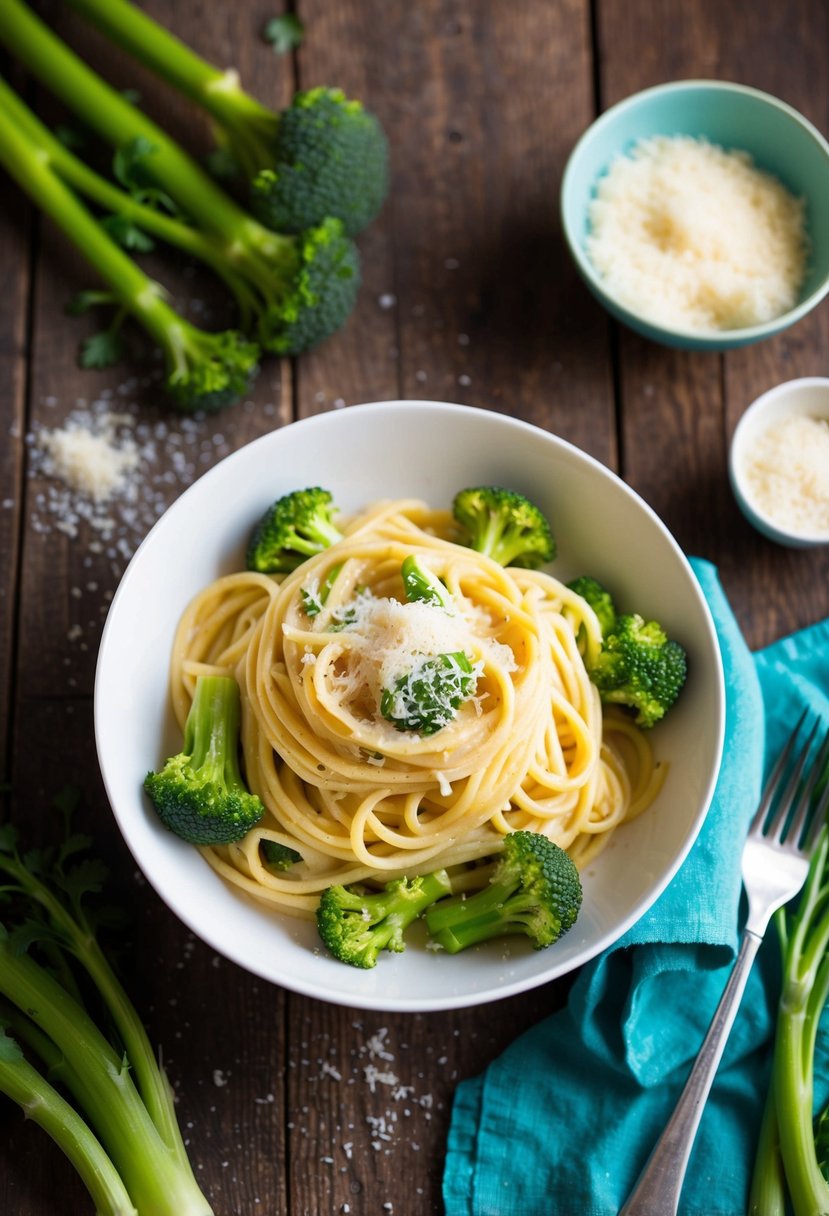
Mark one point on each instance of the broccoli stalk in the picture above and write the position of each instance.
(804, 937)
(155, 1179)
(298, 526)
(534, 890)
(356, 925)
(295, 289)
(199, 793)
(322, 156)
(203, 370)
(504, 525)
(41, 1102)
(422, 585)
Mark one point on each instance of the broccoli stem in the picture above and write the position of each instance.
(252, 124)
(120, 123)
(211, 732)
(138, 294)
(804, 994)
(79, 938)
(465, 921)
(41, 1103)
(768, 1186)
(102, 1084)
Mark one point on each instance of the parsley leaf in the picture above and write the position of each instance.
(127, 234)
(102, 349)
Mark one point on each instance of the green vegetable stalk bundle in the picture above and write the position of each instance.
(99, 1093)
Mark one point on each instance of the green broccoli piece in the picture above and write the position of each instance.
(504, 525)
(640, 667)
(422, 585)
(314, 598)
(278, 857)
(322, 156)
(600, 600)
(199, 794)
(325, 155)
(297, 526)
(428, 697)
(357, 925)
(292, 291)
(534, 889)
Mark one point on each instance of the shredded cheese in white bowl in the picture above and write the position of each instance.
(780, 463)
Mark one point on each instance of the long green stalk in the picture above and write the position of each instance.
(120, 123)
(41, 1103)
(152, 1174)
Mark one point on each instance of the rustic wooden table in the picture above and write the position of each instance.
(470, 296)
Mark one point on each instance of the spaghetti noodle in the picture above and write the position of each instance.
(360, 799)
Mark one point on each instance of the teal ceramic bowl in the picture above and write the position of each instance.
(777, 138)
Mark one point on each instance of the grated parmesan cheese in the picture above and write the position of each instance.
(787, 474)
(90, 462)
(695, 237)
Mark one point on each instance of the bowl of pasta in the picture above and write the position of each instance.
(406, 698)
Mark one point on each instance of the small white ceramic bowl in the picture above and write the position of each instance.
(806, 397)
(429, 450)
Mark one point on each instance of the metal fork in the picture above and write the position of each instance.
(774, 867)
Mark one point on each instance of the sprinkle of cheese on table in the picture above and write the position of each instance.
(787, 474)
(90, 462)
(695, 237)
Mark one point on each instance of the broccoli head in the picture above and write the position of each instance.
(207, 371)
(199, 794)
(356, 925)
(534, 889)
(428, 696)
(329, 158)
(297, 526)
(639, 666)
(600, 600)
(277, 857)
(504, 525)
(309, 287)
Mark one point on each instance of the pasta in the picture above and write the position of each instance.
(361, 800)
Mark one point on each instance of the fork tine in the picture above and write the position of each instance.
(780, 818)
(822, 808)
(801, 814)
(775, 778)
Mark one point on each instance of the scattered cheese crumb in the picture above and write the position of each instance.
(787, 474)
(696, 237)
(91, 462)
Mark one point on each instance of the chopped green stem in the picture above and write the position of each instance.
(41, 1103)
(120, 123)
(152, 1083)
(461, 922)
(152, 1174)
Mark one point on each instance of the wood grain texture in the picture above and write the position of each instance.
(291, 1105)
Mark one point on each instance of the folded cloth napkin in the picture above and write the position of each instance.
(562, 1123)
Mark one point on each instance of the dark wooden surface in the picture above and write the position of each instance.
(482, 102)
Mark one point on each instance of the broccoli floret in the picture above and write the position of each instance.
(504, 525)
(199, 794)
(535, 889)
(639, 666)
(322, 156)
(206, 371)
(326, 156)
(356, 926)
(599, 599)
(428, 696)
(422, 585)
(296, 527)
(278, 857)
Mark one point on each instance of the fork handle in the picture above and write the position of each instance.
(660, 1183)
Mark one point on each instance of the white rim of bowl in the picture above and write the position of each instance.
(749, 333)
(788, 388)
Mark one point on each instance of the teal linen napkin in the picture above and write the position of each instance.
(563, 1121)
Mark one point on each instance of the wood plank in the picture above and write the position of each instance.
(679, 409)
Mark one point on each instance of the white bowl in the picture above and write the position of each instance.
(808, 396)
(429, 450)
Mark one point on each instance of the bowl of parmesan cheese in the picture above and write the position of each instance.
(696, 213)
(779, 463)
